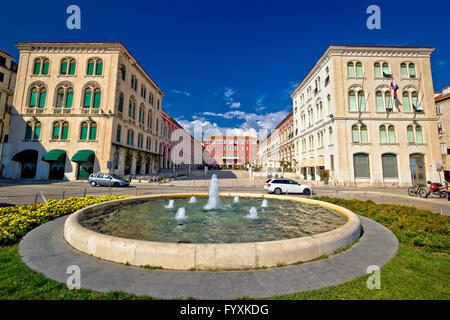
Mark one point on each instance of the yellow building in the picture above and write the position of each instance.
(8, 71)
(348, 123)
(81, 108)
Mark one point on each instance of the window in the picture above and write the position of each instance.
(60, 130)
(443, 148)
(158, 104)
(92, 96)
(412, 70)
(330, 136)
(130, 137)
(120, 107)
(361, 165)
(440, 128)
(383, 100)
(389, 163)
(359, 134)
(404, 70)
(352, 67)
(414, 134)
(411, 101)
(64, 97)
(95, 65)
(123, 72)
(357, 100)
(330, 109)
(150, 98)
(377, 70)
(132, 109)
(118, 133)
(38, 96)
(406, 102)
(93, 131)
(68, 66)
(84, 131)
(386, 72)
(33, 130)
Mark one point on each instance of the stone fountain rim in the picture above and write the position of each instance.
(200, 256)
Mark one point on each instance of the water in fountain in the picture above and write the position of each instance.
(213, 200)
(264, 204)
(236, 199)
(181, 214)
(170, 205)
(253, 213)
(193, 200)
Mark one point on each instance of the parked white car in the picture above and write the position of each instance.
(279, 186)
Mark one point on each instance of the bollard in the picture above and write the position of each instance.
(382, 199)
(84, 192)
(336, 193)
(135, 191)
(63, 194)
(364, 196)
(407, 202)
(35, 198)
(441, 209)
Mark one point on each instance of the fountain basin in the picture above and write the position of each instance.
(203, 256)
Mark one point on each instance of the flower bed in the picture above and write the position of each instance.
(414, 227)
(16, 221)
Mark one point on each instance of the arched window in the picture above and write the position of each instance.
(123, 72)
(93, 131)
(412, 70)
(389, 163)
(87, 98)
(84, 131)
(383, 100)
(150, 98)
(361, 165)
(120, 107)
(42, 97)
(118, 133)
(92, 96)
(37, 131)
(28, 130)
(386, 71)
(56, 131)
(330, 109)
(94, 65)
(404, 70)
(383, 134)
(359, 134)
(391, 134)
(355, 134)
(98, 67)
(419, 136)
(68, 66)
(330, 136)
(352, 101)
(33, 97)
(45, 66)
(410, 134)
(406, 102)
(64, 97)
(37, 66)
(359, 69)
(377, 70)
(90, 67)
(97, 98)
(65, 131)
(149, 119)
(350, 69)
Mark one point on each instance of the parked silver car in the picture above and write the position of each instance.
(106, 179)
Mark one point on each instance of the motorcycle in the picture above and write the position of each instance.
(437, 189)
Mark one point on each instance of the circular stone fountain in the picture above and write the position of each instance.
(213, 232)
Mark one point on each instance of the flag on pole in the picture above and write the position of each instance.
(394, 87)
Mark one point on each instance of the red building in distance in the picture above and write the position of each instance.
(232, 151)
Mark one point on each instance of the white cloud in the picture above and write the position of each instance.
(187, 94)
(235, 105)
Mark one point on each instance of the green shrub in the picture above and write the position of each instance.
(414, 227)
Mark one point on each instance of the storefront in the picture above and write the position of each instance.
(28, 160)
(85, 163)
(57, 162)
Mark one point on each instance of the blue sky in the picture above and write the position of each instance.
(232, 64)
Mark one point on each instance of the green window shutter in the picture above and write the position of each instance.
(63, 68)
(90, 70)
(123, 73)
(404, 71)
(352, 101)
(33, 99)
(387, 100)
(42, 97)
(379, 102)
(350, 70)
(118, 135)
(361, 165)
(389, 163)
(134, 112)
(93, 133)
(419, 137)
(412, 70)
(37, 68)
(128, 138)
(28, 130)
(377, 71)
(359, 71)
(120, 104)
(410, 134)
(99, 69)
(391, 132)
(56, 132)
(37, 131)
(45, 69)
(355, 134)
(69, 99)
(361, 102)
(65, 132)
(84, 132)
(97, 98)
(87, 99)
(72, 69)
(383, 138)
(406, 104)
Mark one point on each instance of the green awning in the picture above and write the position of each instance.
(84, 156)
(55, 155)
(26, 156)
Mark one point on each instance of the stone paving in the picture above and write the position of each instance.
(45, 250)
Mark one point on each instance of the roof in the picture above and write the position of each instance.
(442, 97)
(4, 52)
